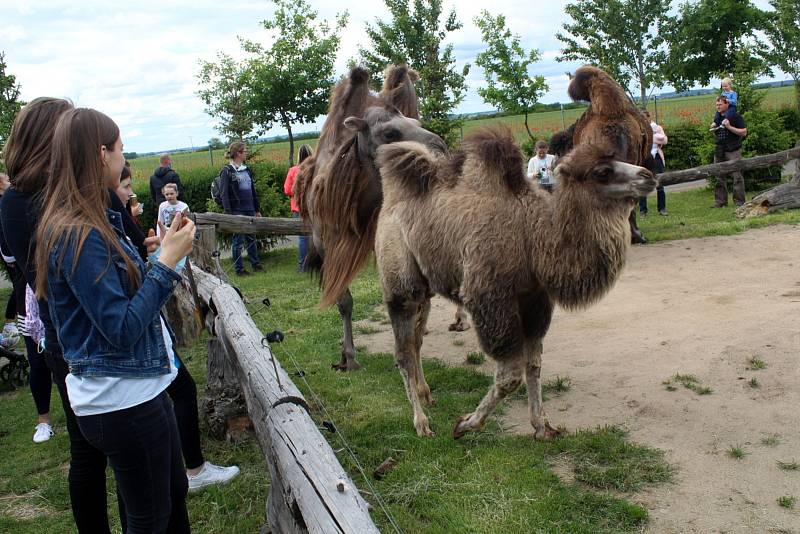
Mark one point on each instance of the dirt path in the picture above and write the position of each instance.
(702, 307)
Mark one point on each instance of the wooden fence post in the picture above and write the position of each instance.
(223, 404)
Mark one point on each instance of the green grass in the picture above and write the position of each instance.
(557, 384)
(736, 452)
(789, 466)
(756, 364)
(476, 358)
(754, 383)
(773, 440)
(690, 382)
(670, 112)
(486, 481)
(787, 501)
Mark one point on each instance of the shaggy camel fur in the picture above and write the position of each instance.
(612, 121)
(338, 189)
(471, 228)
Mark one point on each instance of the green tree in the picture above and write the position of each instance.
(622, 37)
(784, 36)
(505, 67)
(9, 100)
(705, 38)
(223, 86)
(216, 143)
(414, 36)
(289, 82)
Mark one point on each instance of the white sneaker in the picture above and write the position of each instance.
(43, 432)
(212, 474)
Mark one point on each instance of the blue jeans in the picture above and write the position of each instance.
(144, 450)
(302, 246)
(252, 251)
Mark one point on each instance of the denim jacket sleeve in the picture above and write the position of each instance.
(95, 278)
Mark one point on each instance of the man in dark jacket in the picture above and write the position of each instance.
(728, 140)
(238, 191)
(163, 175)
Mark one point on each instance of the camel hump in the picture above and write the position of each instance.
(594, 85)
(500, 158)
(359, 75)
(409, 164)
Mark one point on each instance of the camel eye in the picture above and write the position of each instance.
(602, 173)
(391, 135)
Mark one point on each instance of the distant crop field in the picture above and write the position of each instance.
(668, 112)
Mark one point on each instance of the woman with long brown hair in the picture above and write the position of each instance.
(106, 310)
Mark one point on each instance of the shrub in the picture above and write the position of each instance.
(269, 176)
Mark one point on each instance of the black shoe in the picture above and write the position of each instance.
(243, 273)
(739, 204)
(643, 214)
(663, 213)
(715, 206)
(258, 268)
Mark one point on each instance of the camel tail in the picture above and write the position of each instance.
(594, 85)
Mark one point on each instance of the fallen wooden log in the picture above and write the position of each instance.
(781, 197)
(727, 167)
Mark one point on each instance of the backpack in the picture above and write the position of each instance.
(216, 188)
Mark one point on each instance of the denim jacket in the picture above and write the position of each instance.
(107, 327)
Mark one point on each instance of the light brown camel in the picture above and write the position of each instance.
(611, 120)
(338, 189)
(471, 228)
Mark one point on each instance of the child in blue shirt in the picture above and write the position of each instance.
(727, 91)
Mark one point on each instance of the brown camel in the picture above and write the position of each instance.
(611, 120)
(338, 189)
(471, 228)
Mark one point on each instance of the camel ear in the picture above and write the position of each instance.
(355, 124)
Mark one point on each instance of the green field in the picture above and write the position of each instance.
(670, 112)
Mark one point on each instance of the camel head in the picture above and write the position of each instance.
(594, 166)
(384, 125)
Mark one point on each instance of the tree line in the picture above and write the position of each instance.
(644, 44)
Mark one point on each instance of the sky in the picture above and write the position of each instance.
(138, 61)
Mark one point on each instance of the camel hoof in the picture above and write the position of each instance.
(548, 433)
(346, 367)
(428, 400)
(461, 427)
(458, 326)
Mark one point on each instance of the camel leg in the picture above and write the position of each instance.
(423, 389)
(461, 322)
(533, 374)
(507, 378)
(348, 360)
(406, 324)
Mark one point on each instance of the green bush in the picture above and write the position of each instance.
(269, 177)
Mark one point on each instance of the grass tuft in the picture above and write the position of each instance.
(557, 384)
(754, 383)
(736, 452)
(771, 441)
(476, 358)
(787, 501)
(458, 342)
(756, 364)
(789, 466)
(690, 382)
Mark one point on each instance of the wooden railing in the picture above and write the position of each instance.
(309, 489)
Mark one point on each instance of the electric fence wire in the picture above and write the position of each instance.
(338, 432)
(318, 402)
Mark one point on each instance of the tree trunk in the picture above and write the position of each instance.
(288, 125)
(528, 129)
(183, 317)
(223, 405)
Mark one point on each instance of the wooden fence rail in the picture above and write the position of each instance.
(727, 167)
(242, 224)
(309, 489)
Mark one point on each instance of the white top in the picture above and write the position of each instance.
(167, 212)
(543, 165)
(93, 395)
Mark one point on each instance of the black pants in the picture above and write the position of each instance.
(87, 465)
(40, 382)
(143, 448)
(183, 392)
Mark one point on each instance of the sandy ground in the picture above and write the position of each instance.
(702, 307)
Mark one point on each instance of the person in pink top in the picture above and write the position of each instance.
(288, 188)
(659, 140)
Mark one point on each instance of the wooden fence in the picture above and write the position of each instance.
(309, 489)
